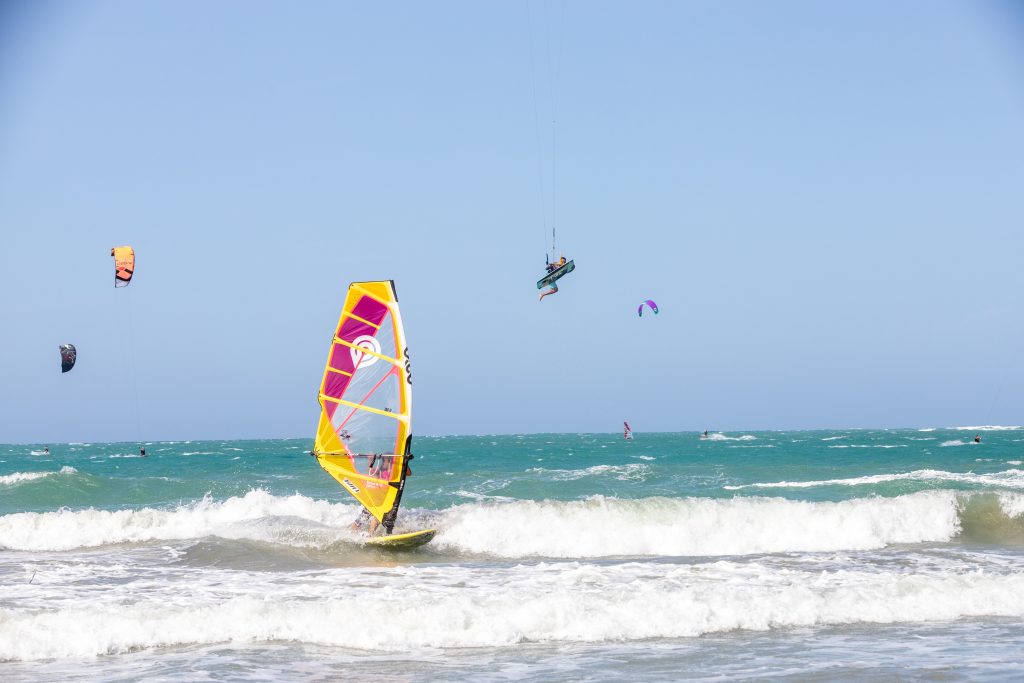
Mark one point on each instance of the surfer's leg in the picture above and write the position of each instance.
(361, 520)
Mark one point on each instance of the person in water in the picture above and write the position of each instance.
(142, 451)
(977, 438)
(46, 450)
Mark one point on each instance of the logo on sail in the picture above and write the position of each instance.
(360, 359)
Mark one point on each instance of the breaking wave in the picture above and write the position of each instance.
(1009, 479)
(464, 607)
(19, 477)
(595, 527)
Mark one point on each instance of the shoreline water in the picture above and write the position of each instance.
(557, 556)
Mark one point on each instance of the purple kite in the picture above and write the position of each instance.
(640, 309)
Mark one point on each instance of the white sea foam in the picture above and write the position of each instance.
(1012, 504)
(631, 472)
(601, 526)
(832, 438)
(866, 445)
(988, 428)
(453, 607)
(955, 442)
(1007, 479)
(723, 437)
(595, 527)
(232, 518)
(19, 477)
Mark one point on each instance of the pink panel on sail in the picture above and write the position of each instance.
(352, 328)
(335, 383)
(330, 409)
(341, 359)
(367, 309)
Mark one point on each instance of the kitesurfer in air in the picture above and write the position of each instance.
(552, 267)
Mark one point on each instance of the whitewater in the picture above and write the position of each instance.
(558, 556)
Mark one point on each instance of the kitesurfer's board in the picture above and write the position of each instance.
(413, 539)
(554, 275)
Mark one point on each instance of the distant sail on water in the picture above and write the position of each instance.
(364, 437)
(627, 431)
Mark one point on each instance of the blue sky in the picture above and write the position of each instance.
(824, 199)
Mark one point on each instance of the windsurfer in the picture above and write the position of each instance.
(142, 451)
(977, 438)
(377, 466)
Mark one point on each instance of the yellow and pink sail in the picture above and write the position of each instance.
(364, 437)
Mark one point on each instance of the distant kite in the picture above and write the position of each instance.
(124, 265)
(640, 309)
(68, 356)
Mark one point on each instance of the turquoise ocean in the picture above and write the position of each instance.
(824, 555)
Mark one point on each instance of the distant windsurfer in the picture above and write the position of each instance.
(142, 451)
(977, 438)
(46, 450)
(704, 435)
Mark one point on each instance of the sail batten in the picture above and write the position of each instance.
(369, 352)
(357, 318)
(359, 406)
(364, 434)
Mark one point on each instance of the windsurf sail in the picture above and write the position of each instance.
(124, 265)
(627, 431)
(364, 437)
